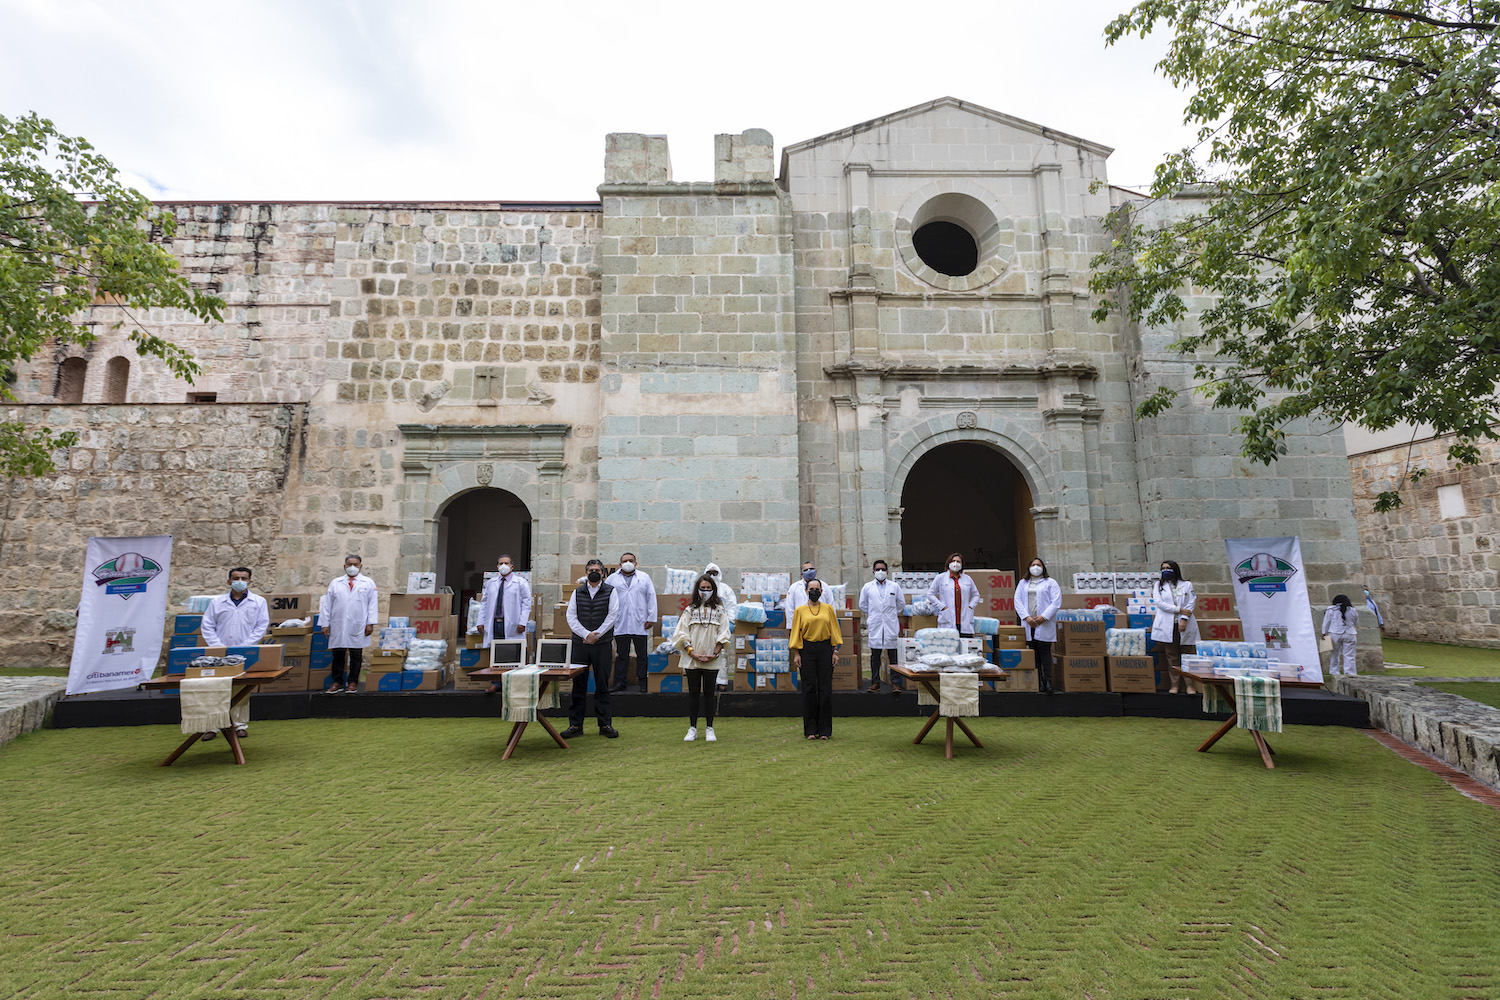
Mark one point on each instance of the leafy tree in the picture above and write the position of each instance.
(71, 235)
(1352, 246)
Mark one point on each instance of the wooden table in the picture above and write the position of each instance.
(552, 675)
(929, 681)
(1226, 689)
(243, 685)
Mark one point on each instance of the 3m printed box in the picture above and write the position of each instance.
(284, 606)
(421, 606)
(1214, 606)
(1226, 629)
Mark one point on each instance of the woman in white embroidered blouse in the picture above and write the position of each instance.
(703, 632)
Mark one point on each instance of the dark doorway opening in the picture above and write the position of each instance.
(969, 498)
(473, 530)
(946, 248)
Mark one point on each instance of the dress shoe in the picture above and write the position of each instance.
(619, 688)
(874, 688)
(571, 732)
(608, 732)
(641, 688)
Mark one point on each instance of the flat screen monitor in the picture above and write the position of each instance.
(508, 653)
(554, 652)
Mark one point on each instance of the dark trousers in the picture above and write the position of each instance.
(1043, 651)
(597, 657)
(701, 694)
(816, 678)
(622, 659)
(356, 661)
(875, 667)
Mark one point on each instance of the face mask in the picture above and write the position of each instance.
(1036, 571)
(1166, 574)
(956, 567)
(814, 596)
(808, 574)
(627, 566)
(880, 574)
(239, 586)
(593, 576)
(705, 594)
(505, 569)
(352, 570)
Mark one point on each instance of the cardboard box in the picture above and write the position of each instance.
(321, 680)
(187, 624)
(665, 683)
(1082, 638)
(747, 628)
(294, 680)
(672, 604)
(404, 680)
(993, 581)
(256, 657)
(284, 606)
(1016, 679)
(846, 675)
(1214, 606)
(1131, 674)
(1079, 602)
(192, 671)
(1015, 659)
(1079, 673)
(299, 645)
(185, 640)
(421, 605)
(378, 660)
(1227, 629)
(1009, 637)
(918, 622)
(744, 681)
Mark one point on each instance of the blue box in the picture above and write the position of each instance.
(320, 660)
(388, 681)
(1008, 659)
(186, 624)
(179, 657)
(775, 619)
(671, 684)
(319, 640)
(469, 659)
(657, 663)
(1141, 621)
(193, 641)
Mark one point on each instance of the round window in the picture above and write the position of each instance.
(947, 248)
(953, 240)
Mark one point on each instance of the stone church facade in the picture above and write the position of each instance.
(879, 345)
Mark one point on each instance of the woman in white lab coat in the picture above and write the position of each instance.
(1341, 623)
(350, 609)
(1175, 627)
(1038, 599)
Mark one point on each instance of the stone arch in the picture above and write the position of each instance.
(1022, 448)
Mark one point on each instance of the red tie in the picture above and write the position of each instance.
(958, 601)
(351, 583)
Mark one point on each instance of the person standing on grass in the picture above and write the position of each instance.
(349, 611)
(702, 636)
(815, 642)
(238, 618)
(1341, 623)
(592, 612)
(882, 603)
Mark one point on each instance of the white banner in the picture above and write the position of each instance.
(123, 613)
(1271, 591)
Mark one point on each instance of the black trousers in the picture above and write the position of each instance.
(816, 679)
(597, 657)
(701, 694)
(356, 660)
(875, 667)
(1043, 651)
(622, 658)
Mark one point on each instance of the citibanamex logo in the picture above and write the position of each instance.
(130, 573)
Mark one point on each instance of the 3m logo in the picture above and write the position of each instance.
(1000, 581)
(433, 604)
(427, 627)
(286, 604)
(1002, 604)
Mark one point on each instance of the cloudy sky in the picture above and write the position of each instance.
(385, 100)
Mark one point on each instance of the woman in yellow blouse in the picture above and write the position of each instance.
(815, 642)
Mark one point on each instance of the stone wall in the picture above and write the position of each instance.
(1436, 579)
(215, 478)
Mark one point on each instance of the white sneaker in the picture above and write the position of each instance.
(692, 734)
(710, 737)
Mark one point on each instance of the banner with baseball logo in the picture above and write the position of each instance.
(123, 613)
(1271, 591)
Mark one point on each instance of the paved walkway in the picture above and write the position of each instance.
(25, 703)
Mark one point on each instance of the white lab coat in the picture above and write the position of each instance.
(228, 624)
(942, 592)
(637, 602)
(1048, 602)
(1335, 624)
(1341, 628)
(882, 602)
(796, 596)
(516, 609)
(1171, 603)
(345, 612)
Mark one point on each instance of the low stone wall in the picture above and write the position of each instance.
(25, 704)
(1464, 733)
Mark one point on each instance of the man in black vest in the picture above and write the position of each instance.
(591, 615)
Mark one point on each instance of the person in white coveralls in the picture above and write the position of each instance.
(1341, 624)
(505, 607)
(238, 618)
(349, 610)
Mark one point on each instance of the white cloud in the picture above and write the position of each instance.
(378, 99)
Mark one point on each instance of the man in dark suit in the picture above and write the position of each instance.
(592, 611)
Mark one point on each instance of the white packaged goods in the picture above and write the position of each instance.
(1200, 662)
(199, 604)
(969, 661)
(765, 583)
(1125, 642)
(679, 581)
(986, 626)
(755, 614)
(426, 654)
(394, 638)
(915, 583)
(939, 640)
(668, 624)
(939, 660)
(1080, 615)
(399, 621)
(925, 606)
(471, 617)
(421, 583)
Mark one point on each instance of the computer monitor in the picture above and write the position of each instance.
(508, 653)
(554, 652)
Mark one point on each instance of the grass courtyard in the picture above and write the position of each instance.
(1072, 858)
(1440, 660)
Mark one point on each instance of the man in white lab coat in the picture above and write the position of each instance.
(348, 612)
(881, 602)
(796, 596)
(238, 618)
(956, 592)
(505, 607)
(637, 595)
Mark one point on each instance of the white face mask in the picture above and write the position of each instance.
(627, 566)
(352, 570)
(880, 574)
(1036, 571)
(956, 567)
(239, 586)
(505, 569)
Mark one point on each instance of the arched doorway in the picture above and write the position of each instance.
(473, 529)
(966, 497)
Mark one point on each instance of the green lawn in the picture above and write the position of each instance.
(400, 858)
(1442, 660)
(1485, 692)
(33, 671)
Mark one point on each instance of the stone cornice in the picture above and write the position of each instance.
(961, 372)
(688, 189)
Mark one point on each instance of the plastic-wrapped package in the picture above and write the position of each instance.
(925, 606)
(969, 661)
(198, 604)
(1209, 647)
(399, 621)
(396, 637)
(668, 624)
(752, 613)
(986, 626)
(1125, 642)
(939, 660)
(939, 640)
(679, 581)
(426, 654)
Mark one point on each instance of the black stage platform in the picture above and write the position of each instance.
(153, 708)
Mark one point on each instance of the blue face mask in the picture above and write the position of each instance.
(809, 575)
(239, 586)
